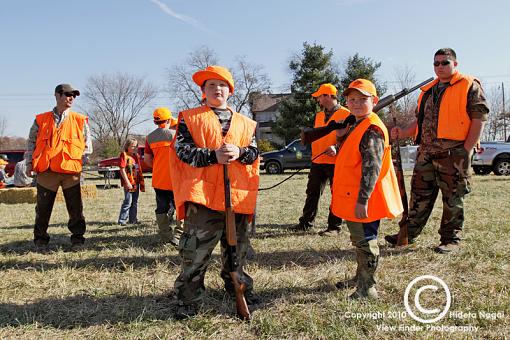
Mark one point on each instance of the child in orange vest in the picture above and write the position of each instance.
(131, 178)
(365, 187)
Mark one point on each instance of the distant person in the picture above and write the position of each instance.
(323, 166)
(131, 179)
(451, 113)
(56, 143)
(208, 137)
(157, 156)
(3, 175)
(365, 188)
(21, 179)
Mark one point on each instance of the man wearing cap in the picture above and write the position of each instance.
(209, 137)
(365, 188)
(3, 175)
(55, 147)
(451, 113)
(157, 156)
(323, 161)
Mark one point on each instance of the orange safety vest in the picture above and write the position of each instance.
(454, 121)
(59, 149)
(205, 185)
(160, 141)
(134, 176)
(320, 145)
(385, 200)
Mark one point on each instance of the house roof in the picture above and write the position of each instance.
(266, 102)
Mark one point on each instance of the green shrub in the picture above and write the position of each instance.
(265, 145)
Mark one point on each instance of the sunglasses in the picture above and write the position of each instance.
(69, 94)
(444, 63)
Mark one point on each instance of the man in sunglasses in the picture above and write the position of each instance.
(57, 141)
(450, 117)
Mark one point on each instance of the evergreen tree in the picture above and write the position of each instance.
(310, 69)
(361, 67)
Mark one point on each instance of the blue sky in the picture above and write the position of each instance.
(44, 43)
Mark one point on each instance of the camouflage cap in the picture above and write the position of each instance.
(61, 88)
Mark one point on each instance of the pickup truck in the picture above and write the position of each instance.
(110, 167)
(492, 156)
(293, 156)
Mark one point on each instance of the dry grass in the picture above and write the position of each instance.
(120, 285)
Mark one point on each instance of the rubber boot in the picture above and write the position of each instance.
(165, 230)
(74, 207)
(178, 230)
(367, 265)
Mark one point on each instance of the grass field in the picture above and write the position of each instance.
(120, 285)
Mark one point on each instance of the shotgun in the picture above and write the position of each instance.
(309, 135)
(230, 223)
(402, 239)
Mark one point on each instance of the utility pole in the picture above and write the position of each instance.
(504, 112)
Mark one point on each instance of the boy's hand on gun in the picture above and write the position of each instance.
(330, 151)
(361, 210)
(227, 153)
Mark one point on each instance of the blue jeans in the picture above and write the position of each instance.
(129, 207)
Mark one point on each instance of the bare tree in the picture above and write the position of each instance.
(181, 87)
(248, 78)
(493, 129)
(3, 127)
(115, 104)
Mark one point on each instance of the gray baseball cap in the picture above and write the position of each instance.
(61, 88)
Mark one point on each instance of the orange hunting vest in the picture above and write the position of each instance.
(59, 149)
(385, 200)
(160, 141)
(204, 185)
(320, 145)
(454, 121)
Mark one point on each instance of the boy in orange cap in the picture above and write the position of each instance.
(365, 187)
(156, 155)
(208, 137)
(322, 165)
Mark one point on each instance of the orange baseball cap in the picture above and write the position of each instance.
(214, 72)
(162, 113)
(325, 89)
(364, 86)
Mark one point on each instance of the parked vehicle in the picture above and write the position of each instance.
(14, 156)
(110, 166)
(293, 156)
(492, 156)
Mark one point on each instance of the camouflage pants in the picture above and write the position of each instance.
(203, 228)
(364, 237)
(449, 172)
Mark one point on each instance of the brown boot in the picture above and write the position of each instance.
(366, 283)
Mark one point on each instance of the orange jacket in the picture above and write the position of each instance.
(454, 121)
(160, 141)
(204, 185)
(59, 149)
(320, 145)
(385, 200)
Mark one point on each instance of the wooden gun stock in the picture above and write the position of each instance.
(230, 223)
(402, 239)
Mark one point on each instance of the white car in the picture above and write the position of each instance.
(492, 156)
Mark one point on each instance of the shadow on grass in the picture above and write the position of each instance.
(86, 311)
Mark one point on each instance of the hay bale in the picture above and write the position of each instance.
(87, 191)
(18, 195)
(29, 195)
